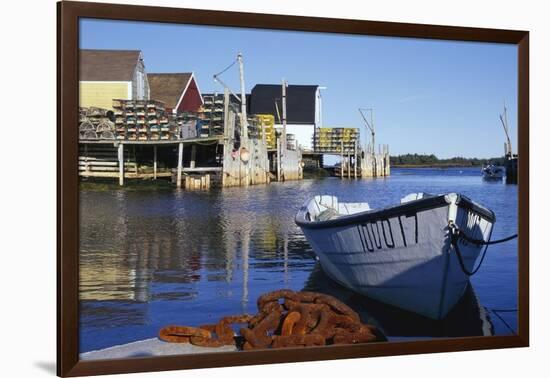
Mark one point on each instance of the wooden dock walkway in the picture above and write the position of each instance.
(104, 158)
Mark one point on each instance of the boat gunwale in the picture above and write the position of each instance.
(408, 208)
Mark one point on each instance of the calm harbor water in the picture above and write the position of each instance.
(149, 258)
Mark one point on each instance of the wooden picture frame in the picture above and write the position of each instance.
(69, 13)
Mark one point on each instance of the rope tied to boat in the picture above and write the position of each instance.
(456, 234)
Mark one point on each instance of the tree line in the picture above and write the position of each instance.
(432, 160)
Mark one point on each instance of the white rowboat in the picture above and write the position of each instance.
(400, 255)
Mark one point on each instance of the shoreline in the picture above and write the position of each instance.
(442, 166)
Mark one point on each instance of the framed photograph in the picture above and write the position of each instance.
(238, 188)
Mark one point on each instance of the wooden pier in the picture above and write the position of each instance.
(376, 164)
(146, 142)
(231, 159)
(355, 163)
(119, 159)
(245, 160)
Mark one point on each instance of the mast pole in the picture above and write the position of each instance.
(283, 144)
(372, 130)
(244, 122)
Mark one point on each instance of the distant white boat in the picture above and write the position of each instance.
(493, 172)
(400, 255)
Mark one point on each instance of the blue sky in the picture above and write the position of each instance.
(428, 96)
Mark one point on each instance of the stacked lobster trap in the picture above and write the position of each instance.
(336, 139)
(96, 123)
(211, 115)
(143, 120)
(266, 124)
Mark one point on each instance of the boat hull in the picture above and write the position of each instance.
(493, 173)
(402, 258)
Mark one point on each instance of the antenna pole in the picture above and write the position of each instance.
(369, 125)
(372, 130)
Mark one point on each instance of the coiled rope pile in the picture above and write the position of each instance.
(285, 319)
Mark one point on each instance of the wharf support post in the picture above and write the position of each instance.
(121, 164)
(180, 164)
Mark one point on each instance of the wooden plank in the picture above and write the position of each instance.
(99, 169)
(105, 163)
(147, 175)
(99, 174)
(129, 175)
(94, 154)
(90, 158)
(200, 169)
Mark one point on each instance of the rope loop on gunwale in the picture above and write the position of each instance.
(457, 233)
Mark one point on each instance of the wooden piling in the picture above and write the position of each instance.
(121, 164)
(226, 113)
(180, 164)
(342, 159)
(135, 160)
(229, 174)
(193, 155)
(244, 121)
(278, 159)
(355, 160)
(349, 165)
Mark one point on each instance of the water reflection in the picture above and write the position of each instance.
(467, 318)
(151, 258)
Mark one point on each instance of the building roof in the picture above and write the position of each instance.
(169, 87)
(108, 65)
(232, 99)
(300, 102)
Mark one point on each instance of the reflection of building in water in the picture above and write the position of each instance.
(245, 250)
(103, 273)
(121, 251)
(132, 243)
(106, 283)
(235, 236)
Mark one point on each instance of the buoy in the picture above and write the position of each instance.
(245, 155)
